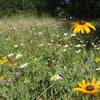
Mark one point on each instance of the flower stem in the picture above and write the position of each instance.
(45, 90)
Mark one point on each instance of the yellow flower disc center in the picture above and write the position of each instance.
(55, 77)
(82, 22)
(90, 88)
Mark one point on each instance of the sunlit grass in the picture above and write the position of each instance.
(45, 50)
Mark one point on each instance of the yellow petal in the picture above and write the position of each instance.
(89, 84)
(90, 25)
(78, 89)
(75, 30)
(80, 84)
(82, 30)
(86, 28)
(75, 25)
(93, 80)
(84, 82)
(97, 87)
(94, 91)
(98, 83)
(78, 28)
(81, 90)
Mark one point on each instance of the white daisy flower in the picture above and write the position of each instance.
(56, 77)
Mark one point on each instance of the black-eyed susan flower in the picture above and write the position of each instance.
(83, 27)
(89, 88)
(56, 77)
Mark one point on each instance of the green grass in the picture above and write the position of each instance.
(51, 53)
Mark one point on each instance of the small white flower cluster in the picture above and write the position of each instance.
(78, 51)
(65, 34)
(40, 45)
(15, 46)
(73, 35)
(18, 56)
(10, 55)
(78, 45)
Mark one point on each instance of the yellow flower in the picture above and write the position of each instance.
(14, 65)
(83, 27)
(2, 77)
(3, 60)
(33, 56)
(97, 59)
(89, 88)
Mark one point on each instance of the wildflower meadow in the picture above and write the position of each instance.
(42, 60)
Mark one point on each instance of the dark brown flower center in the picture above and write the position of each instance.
(82, 22)
(90, 88)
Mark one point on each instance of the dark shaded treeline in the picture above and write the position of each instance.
(60, 8)
(86, 8)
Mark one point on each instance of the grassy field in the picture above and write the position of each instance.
(33, 49)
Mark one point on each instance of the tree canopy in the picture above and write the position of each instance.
(65, 8)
